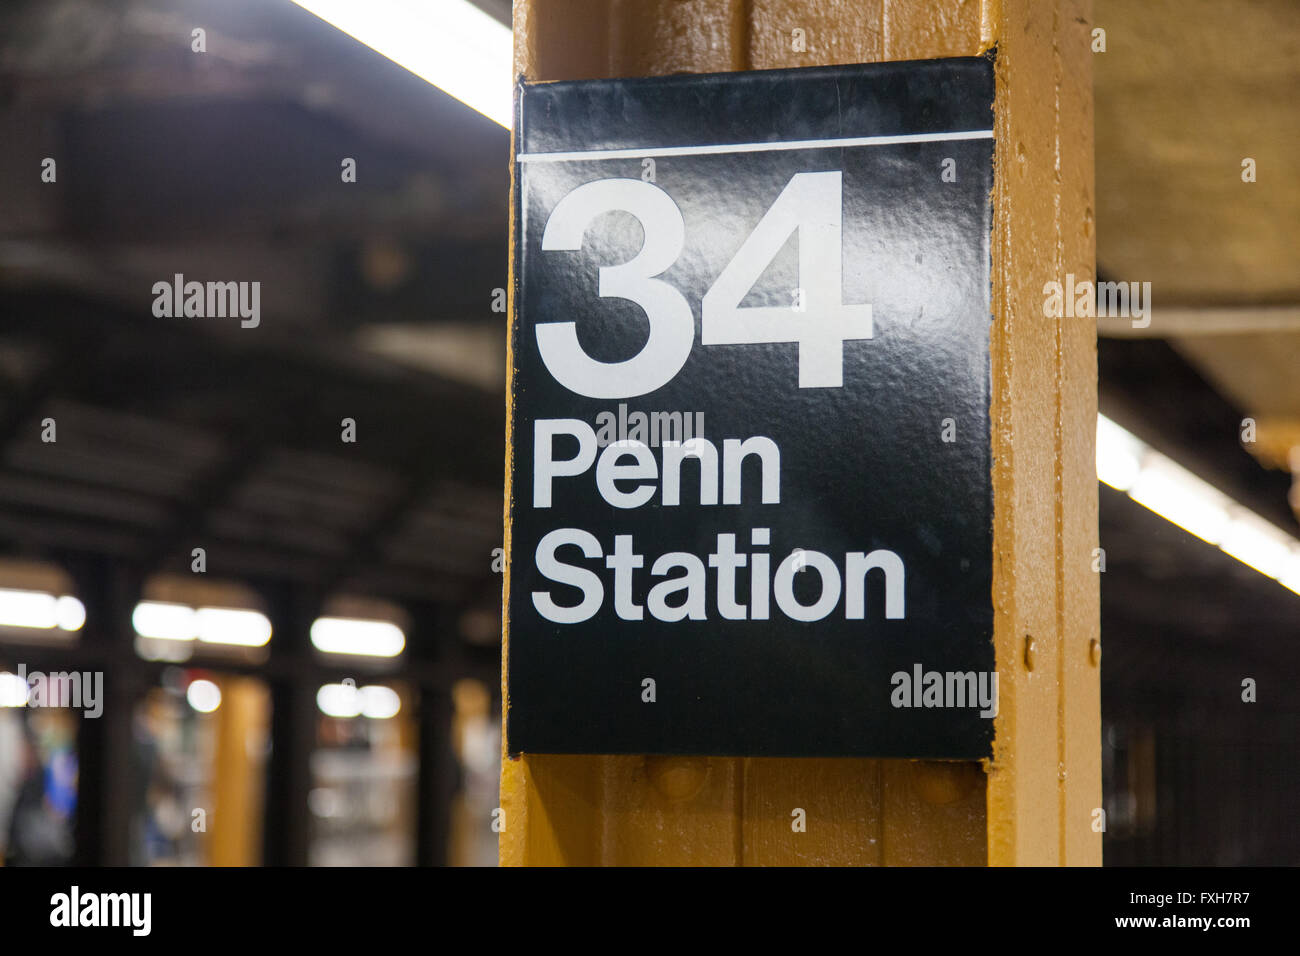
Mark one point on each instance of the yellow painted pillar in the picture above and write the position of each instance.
(234, 830)
(1033, 802)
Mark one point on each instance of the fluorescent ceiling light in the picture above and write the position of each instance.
(228, 625)
(347, 700)
(379, 702)
(69, 613)
(1256, 542)
(1119, 455)
(346, 635)
(1177, 495)
(39, 609)
(1128, 464)
(211, 625)
(1290, 577)
(339, 700)
(165, 621)
(450, 43)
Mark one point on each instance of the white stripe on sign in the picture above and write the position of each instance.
(593, 154)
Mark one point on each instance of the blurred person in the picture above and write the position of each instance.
(40, 832)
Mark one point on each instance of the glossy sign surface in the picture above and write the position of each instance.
(751, 507)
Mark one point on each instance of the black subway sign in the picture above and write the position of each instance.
(750, 495)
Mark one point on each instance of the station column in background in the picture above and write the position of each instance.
(1036, 801)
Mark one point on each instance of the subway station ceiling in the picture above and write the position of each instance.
(1185, 94)
(375, 301)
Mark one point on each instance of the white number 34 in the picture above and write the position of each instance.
(820, 322)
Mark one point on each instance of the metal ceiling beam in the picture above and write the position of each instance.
(1178, 321)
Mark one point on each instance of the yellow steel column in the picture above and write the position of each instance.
(1033, 802)
(1045, 779)
(233, 820)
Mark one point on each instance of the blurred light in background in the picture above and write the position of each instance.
(450, 43)
(223, 625)
(69, 613)
(13, 690)
(212, 625)
(164, 621)
(39, 609)
(203, 695)
(1128, 464)
(1177, 495)
(379, 702)
(339, 700)
(347, 700)
(345, 635)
